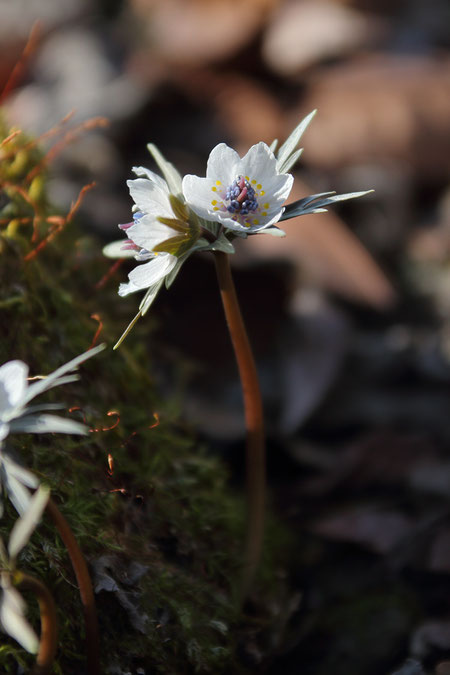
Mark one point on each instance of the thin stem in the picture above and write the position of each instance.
(49, 622)
(254, 420)
(84, 585)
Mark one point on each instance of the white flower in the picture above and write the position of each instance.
(12, 605)
(173, 217)
(16, 393)
(154, 223)
(244, 195)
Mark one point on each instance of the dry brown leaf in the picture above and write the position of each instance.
(200, 31)
(304, 32)
(381, 109)
(379, 530)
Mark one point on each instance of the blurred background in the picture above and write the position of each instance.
(349, 315)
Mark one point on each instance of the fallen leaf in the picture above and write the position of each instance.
(381, 109)
(304, 32)
(201, 31)
(378, 530)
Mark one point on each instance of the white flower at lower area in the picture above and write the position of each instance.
(243, 194)
(16, 393)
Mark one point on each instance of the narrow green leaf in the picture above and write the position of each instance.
(170, 173)
(127, 330)
(290, 144)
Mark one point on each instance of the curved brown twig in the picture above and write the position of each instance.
(85, 587)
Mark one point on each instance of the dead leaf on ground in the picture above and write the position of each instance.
(201, 31)
(381, 109)
(379, 530)
(429, 636)
(327, 29)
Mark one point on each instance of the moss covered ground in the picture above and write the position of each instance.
(150, 506)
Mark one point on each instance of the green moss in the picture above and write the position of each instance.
(163, 531)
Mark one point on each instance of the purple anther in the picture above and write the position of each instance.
(125, 226)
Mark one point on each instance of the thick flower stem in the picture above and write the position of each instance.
(84, 585)
(255, 461)
(49, 623)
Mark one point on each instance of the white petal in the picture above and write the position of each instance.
(149, 232)
(259, 163)
(198, 195)
(19, 472)
(45, 424)
(12, 611)
(144, 276)
(116, 250)
(27, 523)
(278, 187)
(55, 378)
(222, 164)
(13, 384)
(150, 197)
(18, 494)
(4, 431)
(141, 171)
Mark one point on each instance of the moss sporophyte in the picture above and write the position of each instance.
(174, 217)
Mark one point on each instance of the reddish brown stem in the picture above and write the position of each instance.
(254, 420)
(84, 585)
(49, 622)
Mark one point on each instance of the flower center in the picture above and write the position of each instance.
(241, 197)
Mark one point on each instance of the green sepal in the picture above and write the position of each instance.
(175, 224)
(177, 245)
(180, 209)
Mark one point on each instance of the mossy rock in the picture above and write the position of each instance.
(151, 507)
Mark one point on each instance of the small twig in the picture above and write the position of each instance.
(85, 587)
(256, 463)
(49, 622)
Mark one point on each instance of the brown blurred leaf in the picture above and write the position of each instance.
(371, 527)
(439, 560)
(443, 668)
(430, 636)
(304, 32)
(386, 459)
(382, 109)
(200, 31)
